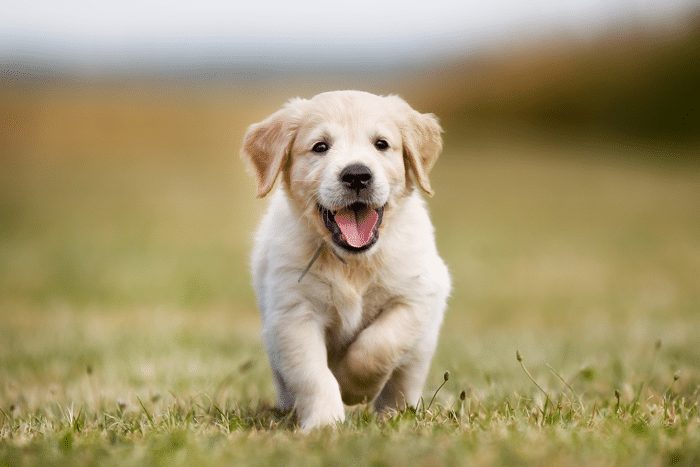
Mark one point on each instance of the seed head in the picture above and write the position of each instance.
(518, 356)
(462, 395)
(676, 375)
(446, 375)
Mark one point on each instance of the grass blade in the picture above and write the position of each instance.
(148, 415)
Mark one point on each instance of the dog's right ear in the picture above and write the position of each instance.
(267, 145)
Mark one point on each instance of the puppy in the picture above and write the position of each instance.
(349, 283)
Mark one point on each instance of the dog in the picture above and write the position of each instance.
(348, 280)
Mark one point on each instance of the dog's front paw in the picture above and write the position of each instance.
(360, 374)
(323, 407)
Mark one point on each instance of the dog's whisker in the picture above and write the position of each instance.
(311, 200)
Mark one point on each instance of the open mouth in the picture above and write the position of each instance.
(354, 227)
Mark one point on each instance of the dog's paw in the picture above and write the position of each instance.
(319, 419)
(362, 374)
(324, 407)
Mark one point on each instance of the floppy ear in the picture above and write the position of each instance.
(267, 145)
(422, 142)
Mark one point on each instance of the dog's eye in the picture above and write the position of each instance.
(381, 144)
(320, 147)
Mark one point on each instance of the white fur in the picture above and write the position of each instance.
(365, 330)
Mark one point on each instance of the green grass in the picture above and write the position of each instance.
(129, 335)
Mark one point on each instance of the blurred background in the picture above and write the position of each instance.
(567, 197)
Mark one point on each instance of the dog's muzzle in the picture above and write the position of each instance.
(355, 226)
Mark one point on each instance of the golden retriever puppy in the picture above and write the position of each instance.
(349, 283)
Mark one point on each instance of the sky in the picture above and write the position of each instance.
(94, 31)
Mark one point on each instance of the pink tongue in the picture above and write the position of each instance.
(357, 227)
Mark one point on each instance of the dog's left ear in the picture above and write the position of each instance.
(267, 145)
(422, 142)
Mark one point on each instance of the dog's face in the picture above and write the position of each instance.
(345, 159)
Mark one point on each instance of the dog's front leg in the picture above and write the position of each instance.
(298, 354)
(376, 352)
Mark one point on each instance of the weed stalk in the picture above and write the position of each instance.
(568, 386)
(519, 356)
(635, 402)
(446, 376)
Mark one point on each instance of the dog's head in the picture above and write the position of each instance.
(345, 159)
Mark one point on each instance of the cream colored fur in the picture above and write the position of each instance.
(363, 328)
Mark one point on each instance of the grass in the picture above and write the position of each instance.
(129, 334)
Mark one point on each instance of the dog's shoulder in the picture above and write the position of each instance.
(278, 239)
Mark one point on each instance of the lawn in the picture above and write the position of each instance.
(129, 334)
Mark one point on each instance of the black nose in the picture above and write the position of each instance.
(356, 177)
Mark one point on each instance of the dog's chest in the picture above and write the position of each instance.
(350, 310)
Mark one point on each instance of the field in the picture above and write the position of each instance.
(129, 334)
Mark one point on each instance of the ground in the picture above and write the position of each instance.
(130, 335)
